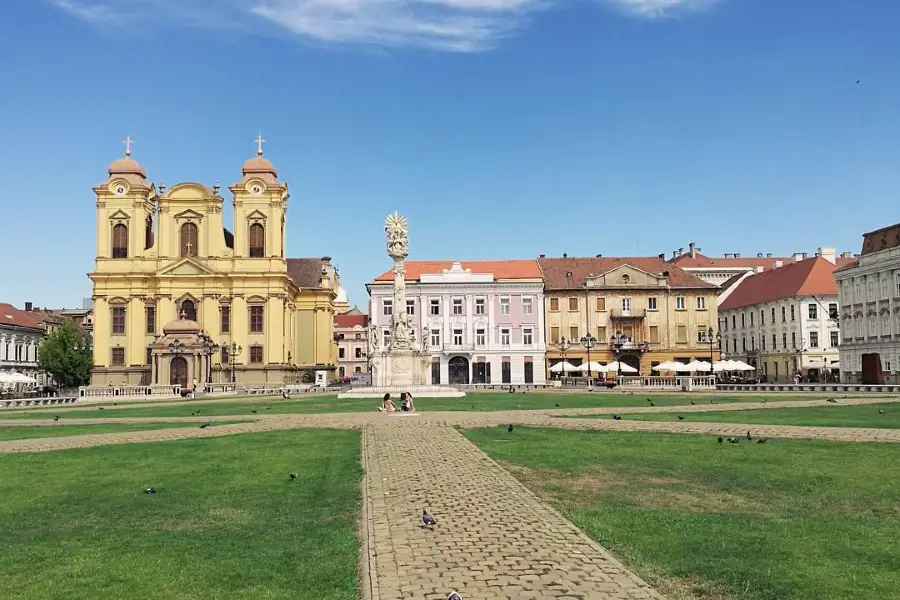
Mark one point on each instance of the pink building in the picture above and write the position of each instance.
(351, 330)
(483, 321)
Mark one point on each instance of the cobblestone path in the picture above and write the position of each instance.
(494, 539)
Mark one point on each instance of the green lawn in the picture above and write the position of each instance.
(478, 401)
(786, 520)
(43, 431)
(226, 521)
(866, 415)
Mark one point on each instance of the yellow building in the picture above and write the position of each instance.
(170, 281)
(643, 311)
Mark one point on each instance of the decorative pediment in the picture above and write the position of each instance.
(189, 214)
(119, 215)
(256, 216)
(185, 267)
(625, 276)
(456, 274)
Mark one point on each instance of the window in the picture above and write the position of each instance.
(504, 305)
(358, 337)
(734, 321)
(357, 353)
(626, 305)
(358, 369)
(341, 372)
(651, 304)
(813, 311)
(885, 288)
(434, 306)
(793, 339)
(148, 358)
(870, 290)
(784, 340)
(554, 335)
(783, 315)
(529, 369)
(601, 304)
(701, 303)
(151, 319)
(189, 237)
(701, 334)
(387, 307)
(504, 337)
(224, 318)
(435, 337)
(743, 321)
(743, 344)
(885, 326)
(654, 334)
(753, 344)
(118, 357)
(386, 337)
(834, 339)
(527, 305)
(410, 307)
(832, 310)
(257, 241)
(601, 334)
(118, 320)
(792, 312)
(774, 342)
(256, 319)
(681, 335)
(189, 309)
(457, 306)
(457, 337)
(773, 314)
(527, 337)
(256, 355)
(554, 304)
(897, 285)
(505, 370)
(224, 357)
(341, 353)
(479, 306)
(813, 339)
(573, 304)
(751, 319)
(479, 337)
(734, 345)
(762, 340)
(120, 241)
(762, 317)
(573, 334)
(680, 303)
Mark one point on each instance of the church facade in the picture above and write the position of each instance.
(178, 297)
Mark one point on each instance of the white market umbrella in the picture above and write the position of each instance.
(723, 365)
(836, 365)
(564, 367)
(740, 365)
(698, 366)
(17, 378)
(816, 365)
(7, 378)
(620, 367)
(667, 366)
(593, 367)
(679, 367)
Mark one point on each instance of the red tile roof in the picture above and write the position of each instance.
(12, 316)
(686, 261)
(571, 273)
(501, 269)
(350, 321)
(809, 277)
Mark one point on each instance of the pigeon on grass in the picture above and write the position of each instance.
(150, 491)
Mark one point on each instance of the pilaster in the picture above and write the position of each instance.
(101, 332)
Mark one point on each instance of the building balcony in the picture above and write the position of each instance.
(630, 346)
(638, 313)
(461, 348)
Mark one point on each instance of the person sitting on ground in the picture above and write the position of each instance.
(285, 394)
(386, 404)
(407, 405)
(409, 400)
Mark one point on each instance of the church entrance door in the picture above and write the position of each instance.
(459, 370)
(178, 371)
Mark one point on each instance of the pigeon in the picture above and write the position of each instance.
(509, 429)
(253, 411)
(428, 520)
(557, 406)
(99, 408)
(268, 408)
(617, 417)
(150, 491)
(651, 402)
(831, 401)
(454, 595)
(880, 412)
(764, 400)
(692, 403)
(748, 435)
(719, 440)
(734, 440)
(680, 418)
(204, 426)
(762, 440)
(56, 418)
(115, 404)
(293, 476)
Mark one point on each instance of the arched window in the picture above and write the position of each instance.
(148, 234)
(189, 309)
(257, 241)
(188, 239)
(120, 241)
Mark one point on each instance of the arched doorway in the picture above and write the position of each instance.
(632, 361)
(178, 374)
(459, 370)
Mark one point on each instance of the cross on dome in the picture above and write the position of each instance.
(128, 141)
(259, 142)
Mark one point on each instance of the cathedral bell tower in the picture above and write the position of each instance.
(260, 208)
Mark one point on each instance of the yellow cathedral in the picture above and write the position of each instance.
(181, 299)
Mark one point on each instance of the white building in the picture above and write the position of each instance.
(870, 319)
(484, 320)
(20, 335)
(784, 321)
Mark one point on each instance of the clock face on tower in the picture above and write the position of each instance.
(120, 190)
(256, 190)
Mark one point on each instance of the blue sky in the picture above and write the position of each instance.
(501, 128)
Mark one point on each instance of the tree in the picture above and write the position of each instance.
(66, 355)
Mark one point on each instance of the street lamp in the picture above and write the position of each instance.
(234, 352)
(618, 341)
(208, 349)
(712, 340)
(563, 345)
(588, 341)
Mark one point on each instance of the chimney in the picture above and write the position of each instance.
(805, 256)
(565, 255)
(797, 257)
(662, 256)
(768, 255)
(760, 269)
(737, 255)
(778, 263)
(28, 306)
(599, 256)
(759, 255)
(693, 249)
(542, 256)
(846, 255)
(829, 254)
(729, 255)
(680, 251)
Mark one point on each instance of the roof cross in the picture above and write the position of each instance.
(259, 142)
(128, 141)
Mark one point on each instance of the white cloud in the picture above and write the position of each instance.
(445, 25)
(652, 9)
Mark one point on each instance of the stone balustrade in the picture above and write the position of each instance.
(133, 392)
(809, 387)
(49, 401)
